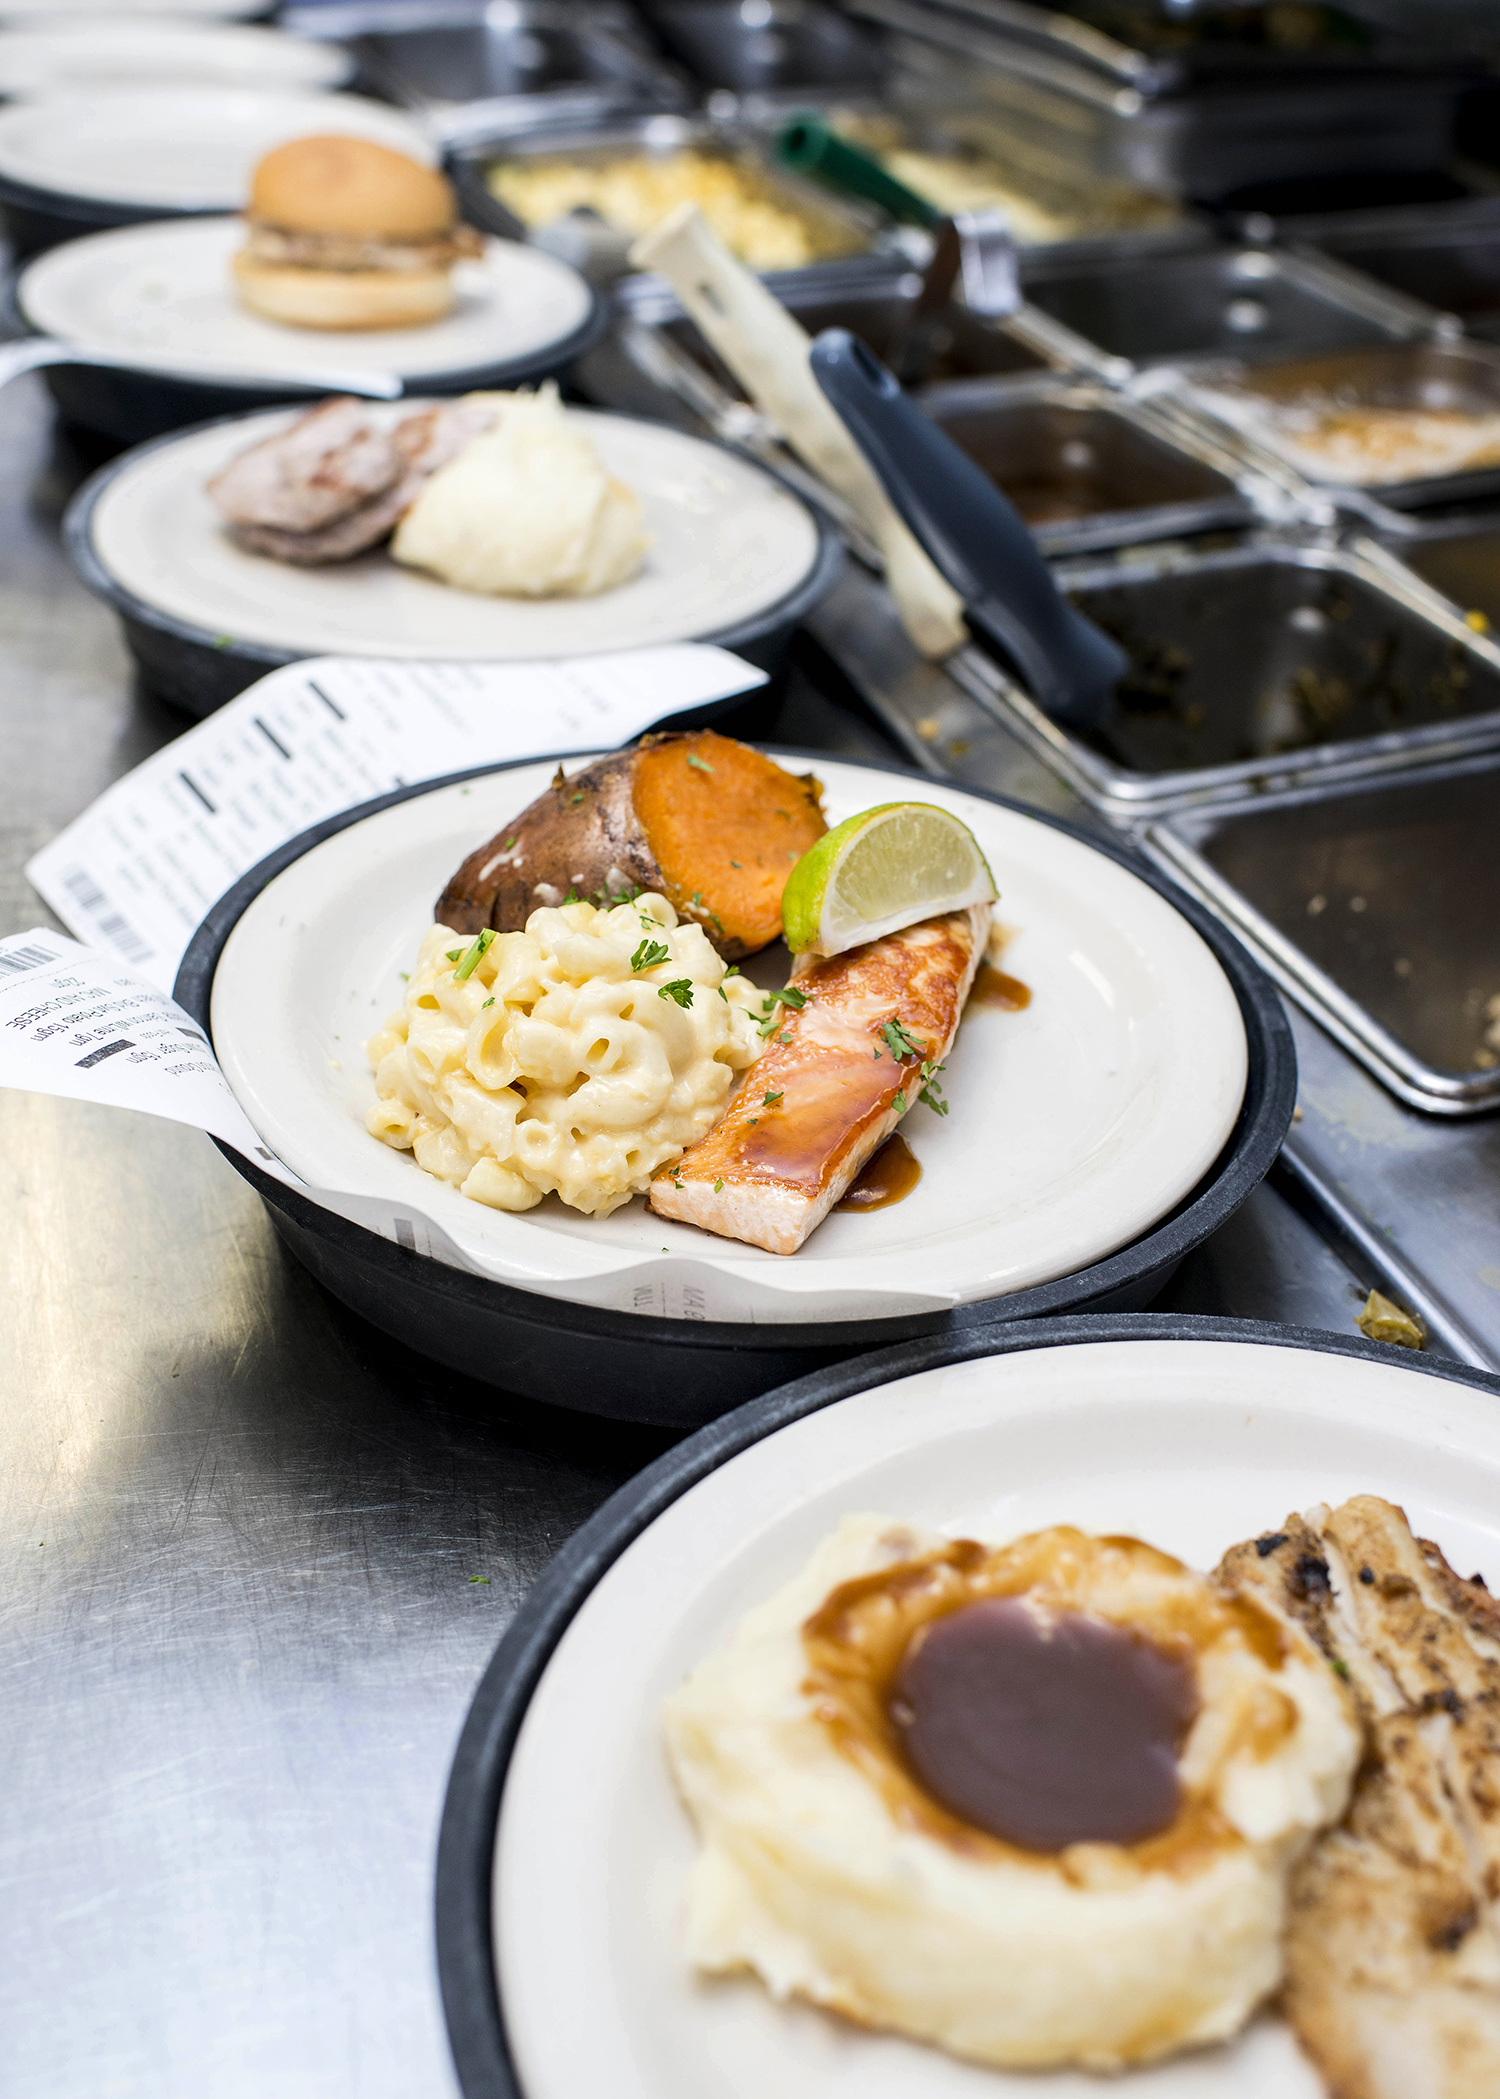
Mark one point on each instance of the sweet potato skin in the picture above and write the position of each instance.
(580, 837)
(584, 837)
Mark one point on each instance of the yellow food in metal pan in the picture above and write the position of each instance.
(757, 220)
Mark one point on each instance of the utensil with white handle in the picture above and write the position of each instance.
(768, 353)
(31, 352)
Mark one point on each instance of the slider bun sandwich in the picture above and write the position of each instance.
(348, 234)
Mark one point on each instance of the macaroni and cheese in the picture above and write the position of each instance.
(573, 1059)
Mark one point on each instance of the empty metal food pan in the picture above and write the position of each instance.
(453, 54)
(1449, 258)
(762, 46)
(1250, 303)
(1375, 905)
(1088, 468)
(1258, 667)
(1205, 141)
(1462, 560)
(556, 162)
(1372, 397)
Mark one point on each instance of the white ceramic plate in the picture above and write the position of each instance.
(39, 11)
(178, 149)
(1190, 1444)
(727, 543)
(162, 294)
(93, 52)
(1074, 1126)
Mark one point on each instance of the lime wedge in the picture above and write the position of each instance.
(879, 871)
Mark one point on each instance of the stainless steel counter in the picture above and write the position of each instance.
(253, 1556)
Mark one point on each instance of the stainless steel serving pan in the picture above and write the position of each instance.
(1181, 138)
(462, 52)
(766, 46)
(1448, 257)
(1461, 558)
(1088, 467)
(534, 136)
(1418, 374)
(1266, 666)
(1253, 304)
(1375, 904)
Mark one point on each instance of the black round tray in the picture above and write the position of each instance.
(681, 1373)
(466, 1842)
(197, 670)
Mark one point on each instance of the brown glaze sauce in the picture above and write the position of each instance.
(992, 987)
(857, 1644)
(1045, 1728)
(889, 1177)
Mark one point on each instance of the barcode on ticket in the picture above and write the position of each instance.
(117, 930)
(23, 958)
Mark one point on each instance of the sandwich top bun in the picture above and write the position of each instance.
(352, 186)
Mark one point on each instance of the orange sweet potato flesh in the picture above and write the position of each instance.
(713, 825)
(726, 826)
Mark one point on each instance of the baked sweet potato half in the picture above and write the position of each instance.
(712, 825)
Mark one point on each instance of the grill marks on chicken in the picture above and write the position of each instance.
(830, 1089)
(1393, 1939)
(335, 482)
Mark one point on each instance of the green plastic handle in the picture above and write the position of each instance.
(809, 145)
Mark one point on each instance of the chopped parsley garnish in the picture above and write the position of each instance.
(698, 898)
(575, 799)
(478, 948)
(680, 991)
(482, 1578)
(770, 1012)
(697, 763)
(718, 1187)
(900, 1044)
(900, 1103)
(733, 970)
(1340, 1668)
(572, 897)
(454, 953)
(487, 1004)
(770, 1100)
(649, 953)
(510, 845)
(931, 1094)
(790, 996)
(737, 863)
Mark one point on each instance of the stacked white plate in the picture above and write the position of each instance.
(172, 150)
(91, 53)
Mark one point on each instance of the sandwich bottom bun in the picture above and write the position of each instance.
(304, 298)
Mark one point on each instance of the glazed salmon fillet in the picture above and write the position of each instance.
(830, 1087)
(1393, 1928)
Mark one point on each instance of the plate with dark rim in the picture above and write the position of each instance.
(1132, 984)
(736, 558)
(563, 1846)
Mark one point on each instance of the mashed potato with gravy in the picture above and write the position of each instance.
(573, 1059)
(526, 510)
(827, 1870)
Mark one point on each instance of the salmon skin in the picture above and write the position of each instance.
(830, 1087)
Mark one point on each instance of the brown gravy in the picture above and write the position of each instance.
(992, 987)
(889, 1177)
(1045, 1728)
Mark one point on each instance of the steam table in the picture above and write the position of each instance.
(240, 1531)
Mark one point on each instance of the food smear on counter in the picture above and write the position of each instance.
(526, 509)
(1036, 1803)
(758, 219)
(347, 234)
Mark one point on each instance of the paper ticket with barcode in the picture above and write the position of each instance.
(75, 1022)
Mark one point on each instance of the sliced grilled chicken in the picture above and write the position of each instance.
(830, 1087)
(334, 483)
(1393, 1940)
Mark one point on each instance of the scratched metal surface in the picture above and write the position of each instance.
(239, 1530)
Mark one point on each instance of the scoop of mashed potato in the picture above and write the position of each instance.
(827, 1870)
(573, 1059)
(526, 510)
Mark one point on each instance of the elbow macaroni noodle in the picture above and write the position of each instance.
(557, 1068)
